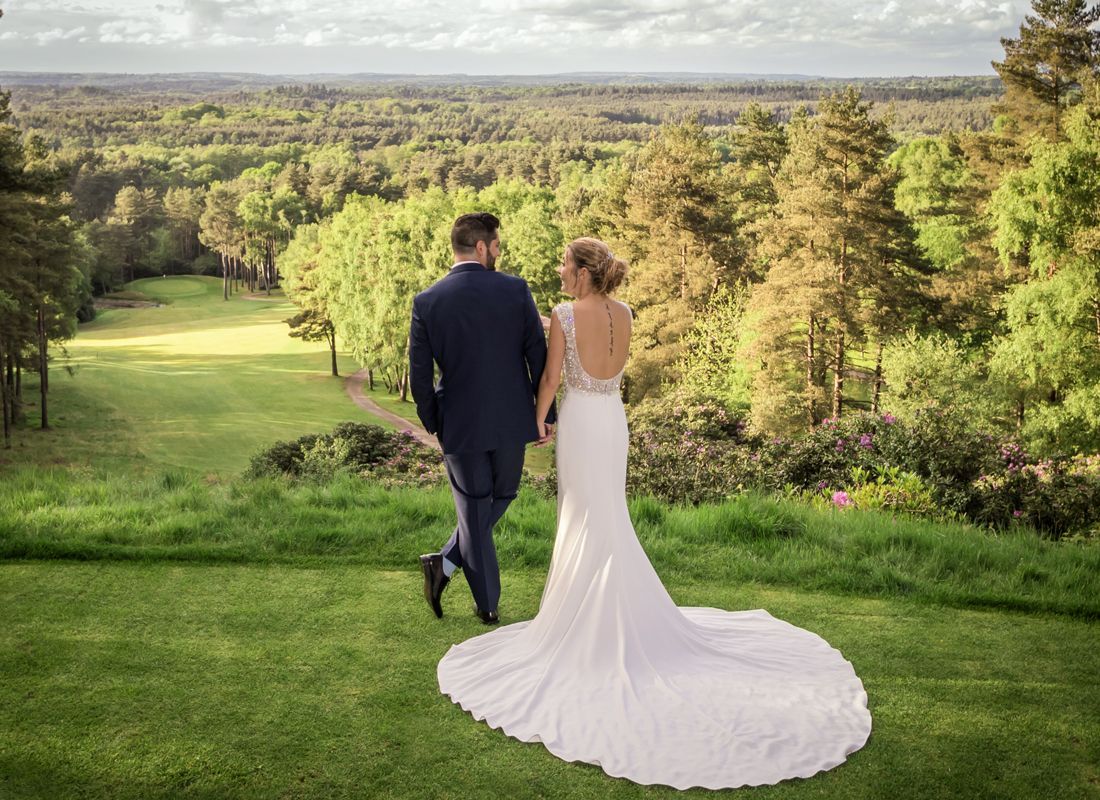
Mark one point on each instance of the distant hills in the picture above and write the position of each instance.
(245, 80)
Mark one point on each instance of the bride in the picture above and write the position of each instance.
(610, 671)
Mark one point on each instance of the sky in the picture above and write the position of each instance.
(835, 38)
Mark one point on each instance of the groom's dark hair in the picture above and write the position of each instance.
(469, 229)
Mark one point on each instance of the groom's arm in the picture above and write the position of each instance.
(534, 350)
(422, 372)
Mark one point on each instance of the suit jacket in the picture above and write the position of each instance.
(482, 328)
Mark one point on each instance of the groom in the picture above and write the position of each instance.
(482, 329)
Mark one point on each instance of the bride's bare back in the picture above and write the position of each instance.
(602, 330)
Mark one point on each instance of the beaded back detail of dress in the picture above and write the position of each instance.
(576, 379)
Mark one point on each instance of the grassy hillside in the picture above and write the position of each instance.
(177, 631)
(163, 680)
(199, 383)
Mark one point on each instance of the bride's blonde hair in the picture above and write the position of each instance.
(606, 270)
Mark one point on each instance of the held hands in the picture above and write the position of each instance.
(546, 434)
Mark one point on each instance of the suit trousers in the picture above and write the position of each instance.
(483, 485)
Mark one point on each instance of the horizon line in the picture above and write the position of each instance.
(574, 73)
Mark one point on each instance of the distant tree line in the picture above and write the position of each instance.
(798, 251)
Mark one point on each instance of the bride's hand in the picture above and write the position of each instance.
(546, 434)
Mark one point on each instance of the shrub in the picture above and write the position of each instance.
(889, 489)
(704, 417)
(687, 451)
(944, 451)
(1059, 497)
(393, 459)
(282, 458)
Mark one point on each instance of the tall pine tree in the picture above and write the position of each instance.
(841, 264)
(1043, 68)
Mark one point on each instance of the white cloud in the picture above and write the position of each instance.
(600, 31)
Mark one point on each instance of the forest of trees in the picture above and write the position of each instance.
(798, 250)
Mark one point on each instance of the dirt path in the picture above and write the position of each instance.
(354, 387)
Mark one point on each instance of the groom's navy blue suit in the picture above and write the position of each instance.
(483, 331)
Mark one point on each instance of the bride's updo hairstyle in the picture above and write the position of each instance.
(606, 270)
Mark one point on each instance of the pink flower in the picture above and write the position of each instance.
(1017, 513)
(865, 441)
(889, 419)
(841, 499)
(840, 445)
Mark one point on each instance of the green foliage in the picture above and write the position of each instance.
(933, 179)
(1056, 496)
(712, 363)
(886, 489)
(1043, 68)
(1050, 214)
(46, 268)
(842, 272)
(684, 449)
(371, 452)
(532, 242)
(679, 233)
(936, 373)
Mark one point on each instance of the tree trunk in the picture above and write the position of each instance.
(370, 379)
(404, 386)
(332, 349)
(1019, 415)
(810, 374)
(43, 369)
(272, 277)
(683, 272)
(877, 391)
(5, 399)
(838, 376)
(225, 275)
(1096, 318)
(17, 397)
(7, 375)
(841, 321)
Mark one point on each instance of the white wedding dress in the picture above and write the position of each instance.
(611, 672)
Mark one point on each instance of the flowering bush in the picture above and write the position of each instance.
(944, 452)
(684, 451)
(889, 489)
(684, 468)
(1056, 496)
(393, 459)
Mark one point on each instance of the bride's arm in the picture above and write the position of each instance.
(551, 372)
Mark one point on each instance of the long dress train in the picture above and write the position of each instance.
(611, 672)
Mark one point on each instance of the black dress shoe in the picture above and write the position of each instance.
(434, 581)
(488, 617)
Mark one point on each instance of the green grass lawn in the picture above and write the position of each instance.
(200, 384)
(175, 631)
(257, 681)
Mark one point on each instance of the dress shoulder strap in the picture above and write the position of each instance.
(565, 317)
